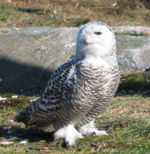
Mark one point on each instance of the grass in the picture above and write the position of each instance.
(136, 82)
(27, 13)
(132, 33)
(127, 118)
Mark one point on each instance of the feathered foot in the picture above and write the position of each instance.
(69, 134)
(90, 130)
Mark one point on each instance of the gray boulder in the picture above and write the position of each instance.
(133, 53)
(28, 56)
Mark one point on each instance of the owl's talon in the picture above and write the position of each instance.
(66, 143)
(69, 134)
(93, 134)
(90, 130)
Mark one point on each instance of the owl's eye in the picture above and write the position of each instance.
(98, 33)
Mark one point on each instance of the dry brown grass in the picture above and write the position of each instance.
(126, 111)
(76, 12)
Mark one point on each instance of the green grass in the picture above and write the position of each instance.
(6, 11)
(127, 118)
(135, 82)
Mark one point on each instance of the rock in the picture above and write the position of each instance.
(29, 55)
(5, 143)
(11, 121)
(45, 150)
(25, 141)
(133, 53)
(3, 98)
(132, 29)
(15, 96)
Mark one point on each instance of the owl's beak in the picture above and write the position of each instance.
(87, 40)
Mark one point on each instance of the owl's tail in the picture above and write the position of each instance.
(27, 114)
(32, 117)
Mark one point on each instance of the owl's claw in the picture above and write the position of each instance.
(69, 134)
(90, 130)
(99, 132)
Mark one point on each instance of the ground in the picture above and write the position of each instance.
(126, 119)
(27, 13)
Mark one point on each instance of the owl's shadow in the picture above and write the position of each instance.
(33, 135)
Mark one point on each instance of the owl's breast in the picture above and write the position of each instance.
(99, 82)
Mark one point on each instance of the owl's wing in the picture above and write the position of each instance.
(60, 87)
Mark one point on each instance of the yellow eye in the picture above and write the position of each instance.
(97, 33)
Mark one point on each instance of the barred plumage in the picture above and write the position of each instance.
(79, 90)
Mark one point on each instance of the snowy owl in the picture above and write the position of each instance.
(79, 90)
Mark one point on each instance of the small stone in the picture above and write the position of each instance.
(3, 99)
(114, 4)
(32, 100)
(6, 143)
(15, 96)
(77, 4)
(9, 1)
(45, 150)
(11, 121)
(25, 141)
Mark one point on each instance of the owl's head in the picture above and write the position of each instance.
(95, 39)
